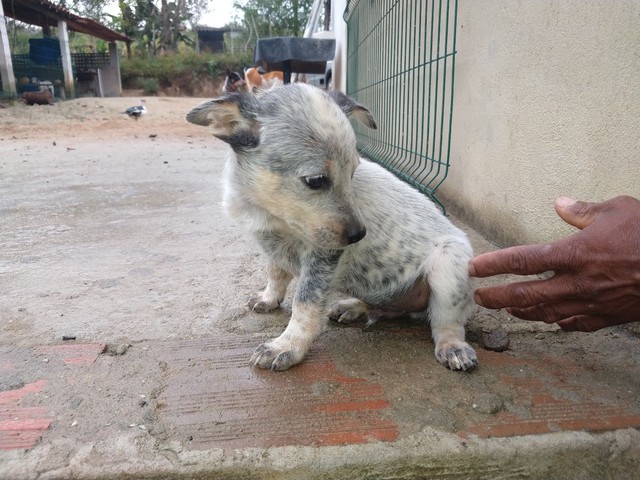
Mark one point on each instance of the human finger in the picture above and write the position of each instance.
(529, 293)
(521, 260)
(586, 323)
(576, 213)
(552, 312)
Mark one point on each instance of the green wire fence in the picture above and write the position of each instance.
(401, 65)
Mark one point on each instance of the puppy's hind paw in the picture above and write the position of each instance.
(268, 357)
(348, 311)
(260, 305)
(457, 356)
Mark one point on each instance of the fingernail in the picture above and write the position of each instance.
(565, 202)
(478, 300)
(472, 269)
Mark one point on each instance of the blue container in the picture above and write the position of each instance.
(29, 87)
(44, 51)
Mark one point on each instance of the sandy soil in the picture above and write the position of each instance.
(112, 229)
(88, 118)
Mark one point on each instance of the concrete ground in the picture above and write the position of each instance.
(125, 340)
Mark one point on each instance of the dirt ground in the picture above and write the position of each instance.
(81, 187)
(155, 155)
(64, 167)
(128, 170)
(85, 118)
(111, 231)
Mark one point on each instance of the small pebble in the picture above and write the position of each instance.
(539, 336)
(496, 340)
(118, 350)
(122, 349)
(487, 403)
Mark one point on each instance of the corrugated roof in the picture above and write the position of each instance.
(44, 13)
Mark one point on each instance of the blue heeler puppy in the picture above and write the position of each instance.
(339, 223)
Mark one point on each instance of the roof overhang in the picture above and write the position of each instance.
(46, 14)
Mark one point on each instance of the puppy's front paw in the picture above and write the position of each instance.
(275, 357)
(259, 304)
(457, 355)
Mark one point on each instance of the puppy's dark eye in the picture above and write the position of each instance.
(317, 182)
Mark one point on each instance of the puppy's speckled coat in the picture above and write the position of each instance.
(338, 222)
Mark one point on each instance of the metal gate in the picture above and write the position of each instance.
(401, 65)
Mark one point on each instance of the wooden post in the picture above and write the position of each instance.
(6, 65)
(65, 52)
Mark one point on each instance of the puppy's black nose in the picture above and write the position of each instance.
(354, 235)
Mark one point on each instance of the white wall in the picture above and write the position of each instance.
(547, 103)
(340, 31)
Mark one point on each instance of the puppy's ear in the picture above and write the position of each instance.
(351, 108)
(230, 119)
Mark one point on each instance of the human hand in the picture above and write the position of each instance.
(596, 281)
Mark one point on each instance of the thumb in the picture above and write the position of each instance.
(576, 213)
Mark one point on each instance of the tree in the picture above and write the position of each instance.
(87, 8)
(270, 18)
(174, 17)
(156, 25)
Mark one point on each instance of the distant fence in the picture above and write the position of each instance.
(401, 65)
(25, 66)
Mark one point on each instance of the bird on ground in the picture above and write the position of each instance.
(137, 111)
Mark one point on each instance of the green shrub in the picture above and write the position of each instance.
(149, 86)
(181, 67)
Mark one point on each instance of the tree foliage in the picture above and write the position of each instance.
(273, 18)
(156, 26)
(86, 8)
(162, 26)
